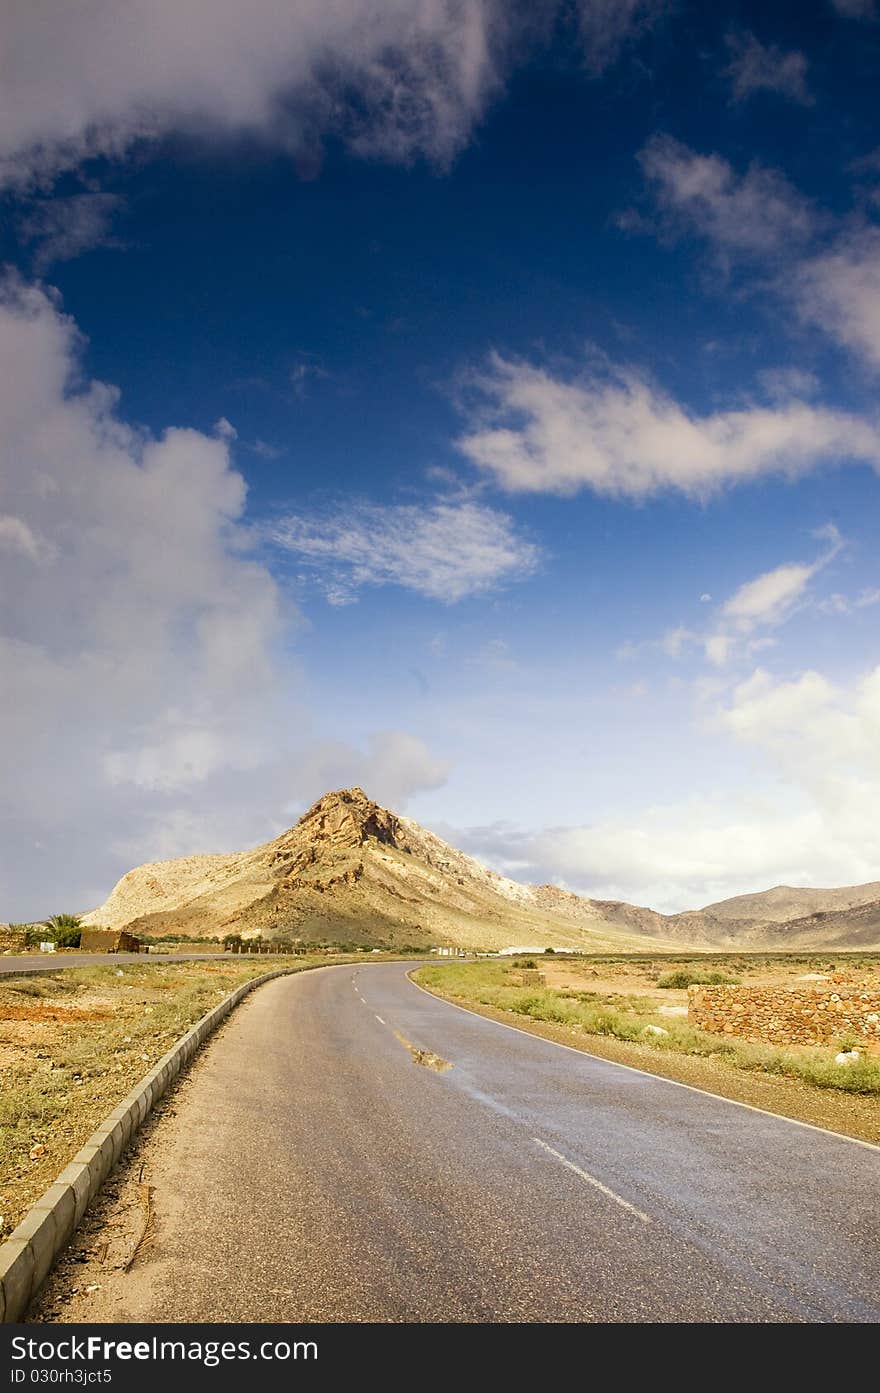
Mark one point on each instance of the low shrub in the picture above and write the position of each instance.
(697, 977)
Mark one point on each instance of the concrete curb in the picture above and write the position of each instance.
(29, 1253)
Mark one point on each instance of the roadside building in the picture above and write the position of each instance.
(108, 941)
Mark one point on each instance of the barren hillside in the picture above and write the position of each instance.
(351, 871)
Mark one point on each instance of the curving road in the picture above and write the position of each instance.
(313, 1171)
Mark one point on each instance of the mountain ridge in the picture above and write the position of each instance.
(353, 871)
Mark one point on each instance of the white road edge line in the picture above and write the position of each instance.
(645, 1073)
(591, 1180)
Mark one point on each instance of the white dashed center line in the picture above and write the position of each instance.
(591, 1180)
(380, 1020)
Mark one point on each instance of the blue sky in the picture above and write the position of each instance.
(474, 402)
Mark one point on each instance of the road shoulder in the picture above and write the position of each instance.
(852, 1115)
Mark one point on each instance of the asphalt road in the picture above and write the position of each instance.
(312, 1171)
(26, 963)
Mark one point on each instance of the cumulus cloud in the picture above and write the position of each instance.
(445, 550)
(63, 228)
(394, 766)
(758, 213)
(393, 78)
(145, 705)
(755, 68)
(806, 817)
(136, 632)
(616, 433)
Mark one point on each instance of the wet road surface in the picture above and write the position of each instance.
(324, 1164)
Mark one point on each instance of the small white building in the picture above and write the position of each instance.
(515, 952)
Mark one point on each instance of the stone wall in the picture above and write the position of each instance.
(805, 1014)
(11, 940)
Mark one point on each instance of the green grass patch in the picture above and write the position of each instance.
(75, 1042)
(586, 1013)
(697, 976)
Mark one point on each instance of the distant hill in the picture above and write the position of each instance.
(351, 871)
(786, 902)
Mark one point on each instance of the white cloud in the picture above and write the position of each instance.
(619, 435)
(394, 766)
(839, 291)
(64, 228)
(393, 78)
(765, 601)
(755, 67)
(767, 598)
(146, 707)
(443, 550)
(606, 25)
(770, 599)
(133, 654)
(758, 213)
(806, 815)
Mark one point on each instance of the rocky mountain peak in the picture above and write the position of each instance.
(347, 817)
